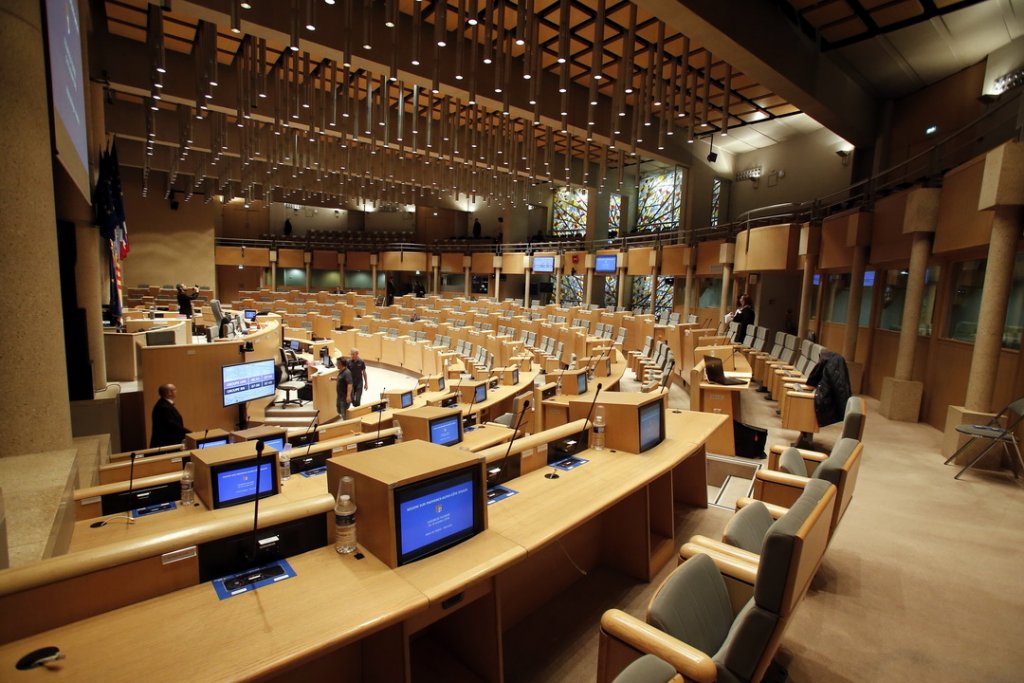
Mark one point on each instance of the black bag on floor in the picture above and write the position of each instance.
(306, 392)
(750, 440)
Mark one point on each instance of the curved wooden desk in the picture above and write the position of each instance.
(356, 619)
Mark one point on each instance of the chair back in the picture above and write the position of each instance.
(855, 417)
(841, 469)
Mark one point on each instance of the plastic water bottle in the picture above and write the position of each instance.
(187, 490)
(599, 431)
(398, 431)
(285, 459)
(345, 517)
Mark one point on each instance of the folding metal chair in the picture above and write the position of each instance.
(995, 432)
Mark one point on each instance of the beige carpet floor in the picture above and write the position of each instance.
(924, 580)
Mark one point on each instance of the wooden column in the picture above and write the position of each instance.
(373, 277)
(526, 287)
(810, 245)
(621, 290)
(860, 255)
(688, 292)
(726, 256)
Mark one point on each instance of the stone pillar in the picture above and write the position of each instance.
(726, 256)
(1003, 194)
(860, 255)
(558, 281)
(90, 298)
(308, 258)
(467, 281)
(901, 395)
(497, 278)
(37, 418)
(526, 287)
(621, 289)
(273, 270)
(341, 271)
(373, 276)
(588, 280)
(688, 292)
(810, 244)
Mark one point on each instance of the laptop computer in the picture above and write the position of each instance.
(716, 372)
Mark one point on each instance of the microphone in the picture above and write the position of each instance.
(131, 472)
(256, 506)
(309, 441)
(380, 414)
(558, 380)
(469, 413)
(591, 411)
(515, 435)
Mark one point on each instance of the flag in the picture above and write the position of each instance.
(116, 304)
(117, 195)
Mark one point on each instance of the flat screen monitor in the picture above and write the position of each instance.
(515, 376)
(438, 513)
(869, 278)
(543, 264)
(606, 263)
(247, 381)
(213, 442)
(480, 394)
(407, 399)
(250, 313)
(295, 345)
(652, 427)
(235, 484)
(440, 383)
(446, 431)
(581, 383)
(277, 443)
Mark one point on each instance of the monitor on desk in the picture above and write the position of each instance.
(440, 383)
(235, 483)
(446, 431)
(581, 383)
(276, 443)
(437, 513)
(406, 399)
(210, 443)
(480, 394)
(652, 425)
(296, 346)
(247, 381)
(250, 313)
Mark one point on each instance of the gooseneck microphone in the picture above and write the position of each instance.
(469, 413)
(380, 414)
(256, 506)
(515, 435)
(131, 472)
(310, 428)
(591, 411)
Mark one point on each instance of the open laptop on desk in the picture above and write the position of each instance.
(716, 372)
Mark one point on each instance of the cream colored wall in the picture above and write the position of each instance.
(811, 169)
(168, 246)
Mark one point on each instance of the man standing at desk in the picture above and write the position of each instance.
(344, 380)
(168, 427)
(360, 381)
(185, 300)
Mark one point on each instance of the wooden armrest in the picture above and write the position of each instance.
(775, 511)
(797, 393)
(712, 547)
(732, 567)
(783, 479)
(687, 660)
(816, 456)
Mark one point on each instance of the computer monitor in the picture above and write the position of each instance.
(406, 399)
(446, 431)
(581, 383)
(605, 264)
(480, 394)
(296, 346)
(438, 513)
(235, 483)
(276, 443)
(440, 383)
(325, 357)
(213, 442)
(515, 376)
(543, 264)
(247, 381)
(250, 313)
(652, 426)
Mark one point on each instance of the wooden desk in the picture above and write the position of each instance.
(722, 399)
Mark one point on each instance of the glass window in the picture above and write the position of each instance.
(659, 201)
(641, 295)
(1015, 307)
(894, 295)
(572, 290)
(839, 299)
(569, 214)
(614, 215)
(718, 186)
(611, 291)
(710, 292)
(815, 293)
(965, 300)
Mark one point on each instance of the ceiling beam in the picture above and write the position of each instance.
(774, 52)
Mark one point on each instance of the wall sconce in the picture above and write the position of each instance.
(750, 173)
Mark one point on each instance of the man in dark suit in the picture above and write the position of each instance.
(168, 427)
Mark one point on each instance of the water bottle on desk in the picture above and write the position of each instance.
(187, 490)
(398, 431)
(599, 430)
(345, 517)
(285, 458)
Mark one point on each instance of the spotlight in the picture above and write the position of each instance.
(712, 157)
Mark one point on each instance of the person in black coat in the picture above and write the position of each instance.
(168, 427)
(185, 299)
(744, 317)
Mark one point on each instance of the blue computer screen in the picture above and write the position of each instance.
(480, 394)
(607, 263)
(277, 444)
(581, 383)
(250, 313)
(238, 483)
(407, 399)
(440, 384)
(543, 264)
(650, 426)
(445, 431)
(247, 381)
(435, 514)
(214, 442)
(295, 345)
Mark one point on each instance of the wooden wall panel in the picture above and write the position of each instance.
(483, 263)
(638, 261)
(291, 258)
(325, 260)
(404, 261)
(232, 256)
(451, 262)
(889, 246)
(835, 255)
(708, 258)
(832, 335)
(883, 361)
(675, 258)
(357, 260)
(946, 383)
(961, 225)
(772, 248)
(512, 264)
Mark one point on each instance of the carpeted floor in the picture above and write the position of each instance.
(924, 579)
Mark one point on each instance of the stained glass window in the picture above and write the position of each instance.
(611, 291)
(569, 215)
(659, 201)
(572, 290)
(716, 200)
(641, 294)
(614, 215)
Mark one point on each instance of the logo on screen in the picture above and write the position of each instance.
(437, 508)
